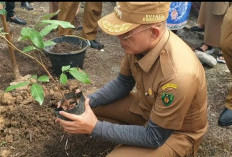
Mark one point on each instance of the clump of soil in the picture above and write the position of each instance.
(73, 103)
(65, 47)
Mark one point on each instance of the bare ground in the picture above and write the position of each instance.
(27, 129)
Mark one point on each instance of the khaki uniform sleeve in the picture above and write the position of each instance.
(125, 66)
(173, 101)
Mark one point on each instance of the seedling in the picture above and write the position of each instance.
(35, 36)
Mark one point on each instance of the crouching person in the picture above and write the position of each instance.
(167, 113)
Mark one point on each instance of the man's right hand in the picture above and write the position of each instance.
(79, 124)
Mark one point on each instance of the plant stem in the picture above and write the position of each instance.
(12, 55)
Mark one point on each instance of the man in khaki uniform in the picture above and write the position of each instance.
(210, 17)
(225, 118)
(92, 13)
(167, 114)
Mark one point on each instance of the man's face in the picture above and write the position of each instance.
(136, 41)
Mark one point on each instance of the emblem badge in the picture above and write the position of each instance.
(169, 85)
(167, 99)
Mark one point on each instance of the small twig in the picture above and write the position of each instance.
(12, 54)
(104, 151)
(66, 147)
(62, 137)
(66, 144)
(30, 135)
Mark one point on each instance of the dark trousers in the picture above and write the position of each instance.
(10, 9)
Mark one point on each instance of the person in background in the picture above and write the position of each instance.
(225, 118)
(53, 7)
(26, 5)
(92, 13)
(11, 17)
(158, 118)
(178, 15)
(210, 19)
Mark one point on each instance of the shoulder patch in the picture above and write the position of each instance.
(167, 98)
(169, 85)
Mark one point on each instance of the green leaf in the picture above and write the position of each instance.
(29, 48)
(43, 78)
(15, 86)
(45, 17)
(39, 26)
(63, 78)
(65, 68)
(49, 43)
(45, 31)
(23, 38)
(79, 75)
(33, 35)
(3, 12)
(63, 24)
(34, 77)
(3, 143)
(38, 93)
(49, 16)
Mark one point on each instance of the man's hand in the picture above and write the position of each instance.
(80, 124)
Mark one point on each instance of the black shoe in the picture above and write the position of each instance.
(96, 45)
(225, 118)
(26, 5)
(16, 20)
(197, 29)
(174, 31)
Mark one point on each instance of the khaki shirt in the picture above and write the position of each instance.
(172, 91)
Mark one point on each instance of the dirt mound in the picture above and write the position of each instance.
(26, 124)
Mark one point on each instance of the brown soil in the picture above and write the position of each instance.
(65, 47)
(28, 129)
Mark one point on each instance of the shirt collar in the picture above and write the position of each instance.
(149, 59)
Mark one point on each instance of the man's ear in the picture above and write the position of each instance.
(155, 32)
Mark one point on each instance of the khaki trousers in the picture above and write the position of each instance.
(212, 24)
(118, 112)
(53, 7)
(229, 100)
(67, 13)
(92, 13)
(226, 46)
(129, 151)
